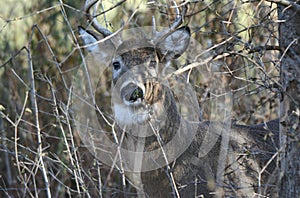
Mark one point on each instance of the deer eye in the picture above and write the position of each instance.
(116, 65)
(152, 64)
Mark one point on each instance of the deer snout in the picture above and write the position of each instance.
(132, 93)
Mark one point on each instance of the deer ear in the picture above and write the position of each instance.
(174, 45)
(89, 39)
(99, 50)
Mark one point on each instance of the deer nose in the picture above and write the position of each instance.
(132, 93)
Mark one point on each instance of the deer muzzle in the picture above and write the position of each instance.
(149, 92)
(132, 93)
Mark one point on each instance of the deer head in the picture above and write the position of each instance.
(138, 67)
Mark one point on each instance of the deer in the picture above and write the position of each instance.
(143, 99)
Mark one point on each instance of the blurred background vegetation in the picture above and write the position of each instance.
(241, 35)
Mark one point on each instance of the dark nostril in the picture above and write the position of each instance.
(136, 94)
(132, 93)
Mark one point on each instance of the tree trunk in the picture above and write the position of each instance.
(289, 41)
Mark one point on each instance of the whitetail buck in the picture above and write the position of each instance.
(143, 98)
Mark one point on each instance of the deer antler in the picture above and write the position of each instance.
(92, 19)
(158, 36)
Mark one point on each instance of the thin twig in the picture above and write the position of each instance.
(36, 115)
(171, 176)
(6, 157)
(16, 138)
(56, 112)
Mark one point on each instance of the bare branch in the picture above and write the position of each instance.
(287, 3)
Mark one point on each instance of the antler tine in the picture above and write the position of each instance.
(166, 32)
(88, 5)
